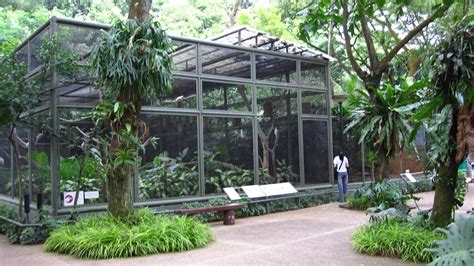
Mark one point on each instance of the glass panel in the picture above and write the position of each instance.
(352, 150)
(73, 156)
(313, 102)
(184, 56)
(277, 135)
(313, 75)
(227, 96)
(35, 46)
(228, 152)
(225, 62)
(275, 69)
(316, 152)
(183, 94)
(5, 166)
(40, 156)
(170, 169)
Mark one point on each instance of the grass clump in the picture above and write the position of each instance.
(396, 238)
(104, 237)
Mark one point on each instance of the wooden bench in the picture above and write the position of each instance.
(228, 210)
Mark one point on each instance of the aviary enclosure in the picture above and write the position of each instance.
(246, 108)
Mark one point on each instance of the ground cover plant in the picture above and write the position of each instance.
(393, 237)
(104, 236)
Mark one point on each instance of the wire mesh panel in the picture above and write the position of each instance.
(218, 95)
(5, 165)
(228, 151)
(277, 131)
(313, 75)
(79, 167)
(275, 69)
(41, 155)
(313, 102)
(184, 56)
(22, 55)
(225, 62)
(183, 95)
(35, 47)
(352, 151)
(169, 169)
(316, 152)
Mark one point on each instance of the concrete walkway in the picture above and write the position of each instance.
(313, 236)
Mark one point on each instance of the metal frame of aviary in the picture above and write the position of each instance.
(231, 95)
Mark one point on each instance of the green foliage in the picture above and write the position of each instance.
(168, 177)
(105, 237)
(386, 124)
(384, 194)
(395, 238)
(458, 247)
(17, 94)
(134, 58)
(25, 235)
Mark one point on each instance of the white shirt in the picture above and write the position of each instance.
(337, 163)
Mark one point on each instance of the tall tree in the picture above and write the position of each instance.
(357, 24)
(451, 98)
(132, 64)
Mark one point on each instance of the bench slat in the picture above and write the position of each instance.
(210, 209)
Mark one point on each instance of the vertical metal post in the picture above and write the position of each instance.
(54, 134)
(253, 72)
(30, 164)
(12, 167)
(300, 125)
(200, 124)
(330, 138)
(341, 126)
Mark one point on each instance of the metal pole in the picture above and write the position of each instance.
(341, 124)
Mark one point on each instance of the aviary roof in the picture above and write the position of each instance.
(252, 38)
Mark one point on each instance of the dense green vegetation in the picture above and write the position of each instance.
(395, 238)
(105, 236)
(26, 235)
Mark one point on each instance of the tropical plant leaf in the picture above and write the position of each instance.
(458, 248)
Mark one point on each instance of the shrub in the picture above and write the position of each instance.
(458, 247)
(103, 236)
(386, 194)
(25, 235)
(395, 238)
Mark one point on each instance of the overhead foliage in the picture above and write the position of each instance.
(384, 126)
(135, 57)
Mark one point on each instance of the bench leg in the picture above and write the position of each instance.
(229, 217)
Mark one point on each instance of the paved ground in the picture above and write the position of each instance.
(313, 236)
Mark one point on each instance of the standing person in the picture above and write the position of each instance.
(341, 164)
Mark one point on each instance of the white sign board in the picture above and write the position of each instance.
(410, 177)
(91, 194)
(231, 193)
(253, 191)
(69, 198)
(278, 189)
